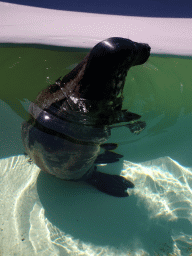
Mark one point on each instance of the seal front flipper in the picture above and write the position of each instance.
(127, 116)
(109, 146)
(113, 185)
(136, 127)
(108, 157)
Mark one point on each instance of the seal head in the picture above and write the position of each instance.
(108, 63)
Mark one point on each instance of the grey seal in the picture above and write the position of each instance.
(71, 119)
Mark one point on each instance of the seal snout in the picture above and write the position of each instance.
(147, 49)
(143, 53)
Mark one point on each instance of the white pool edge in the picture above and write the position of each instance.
(32, 25)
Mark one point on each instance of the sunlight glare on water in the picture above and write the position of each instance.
(166, 188)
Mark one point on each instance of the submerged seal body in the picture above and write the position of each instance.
(72, 118)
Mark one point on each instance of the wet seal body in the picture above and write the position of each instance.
(72, 118)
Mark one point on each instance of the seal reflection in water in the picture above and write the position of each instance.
(72, 118)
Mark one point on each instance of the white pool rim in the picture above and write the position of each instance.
(33, 25)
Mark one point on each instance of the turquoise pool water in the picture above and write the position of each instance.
(47, 216)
